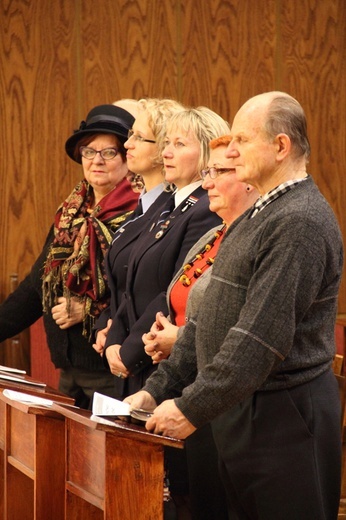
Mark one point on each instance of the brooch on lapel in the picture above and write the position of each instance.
(190, 201)
(162, 229)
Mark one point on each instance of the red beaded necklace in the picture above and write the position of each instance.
(184, 278)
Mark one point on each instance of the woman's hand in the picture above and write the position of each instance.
(66, 319)
(116, 366)
(101, 336)
(161, 338)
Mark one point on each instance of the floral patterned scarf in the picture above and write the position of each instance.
(75, 262)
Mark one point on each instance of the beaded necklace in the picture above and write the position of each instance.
(184, 278)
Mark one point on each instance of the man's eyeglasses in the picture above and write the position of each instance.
(214, 172)
(89, 153)
(138, 138)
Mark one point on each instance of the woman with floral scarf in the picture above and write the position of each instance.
(67, 284)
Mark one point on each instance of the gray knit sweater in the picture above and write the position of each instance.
(267, 318)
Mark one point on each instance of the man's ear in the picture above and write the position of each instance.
(283, 145)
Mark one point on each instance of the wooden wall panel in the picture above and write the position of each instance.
(36, 91)
(127, 50)
(227, 52)
(60, 58)
(313, 69)
(36, 94)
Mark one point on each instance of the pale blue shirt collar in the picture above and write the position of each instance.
(148, 197)
(183, 193)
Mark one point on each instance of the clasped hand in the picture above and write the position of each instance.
(161, 338)
(116, 366)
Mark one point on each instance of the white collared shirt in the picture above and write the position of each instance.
(183, 193)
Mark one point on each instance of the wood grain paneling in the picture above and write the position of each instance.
(127, 50)
(60, 58)
(227, 52)
(313, 44)
(37, 91)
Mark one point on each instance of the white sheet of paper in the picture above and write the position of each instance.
(13, 370)
(26, 398)
(104, 405)
(19, 378)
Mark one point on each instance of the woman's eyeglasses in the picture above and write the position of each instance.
(89, 153)
(214, 172)
(138, 138)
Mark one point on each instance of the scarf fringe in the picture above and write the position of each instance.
(51, 287)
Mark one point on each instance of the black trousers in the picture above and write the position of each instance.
(81, 384)
(280, 453)
(207, 494)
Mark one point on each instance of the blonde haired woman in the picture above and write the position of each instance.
(159, 251)
(145, 163)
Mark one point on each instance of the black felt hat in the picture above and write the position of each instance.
(103, 119)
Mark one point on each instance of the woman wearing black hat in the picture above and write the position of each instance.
(67, 282)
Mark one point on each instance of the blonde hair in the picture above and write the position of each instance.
(159, 112)
(204, 124)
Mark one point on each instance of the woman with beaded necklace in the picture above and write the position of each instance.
(229, 198)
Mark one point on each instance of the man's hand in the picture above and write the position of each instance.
(66, 319)
(168, 420)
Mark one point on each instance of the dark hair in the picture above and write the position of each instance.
(285, 115)
(87, 139)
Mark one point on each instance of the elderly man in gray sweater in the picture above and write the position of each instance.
(256, 359)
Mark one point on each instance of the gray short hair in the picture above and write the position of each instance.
(285, 115)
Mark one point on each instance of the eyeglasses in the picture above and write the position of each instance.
(214, 172)
(138, 138)
(89, 153)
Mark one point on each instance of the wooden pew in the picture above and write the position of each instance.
(31, 455)
(114, 469)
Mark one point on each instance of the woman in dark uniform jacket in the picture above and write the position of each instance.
(162, 247)
(144, 160)
(229, 198)
(158, 253)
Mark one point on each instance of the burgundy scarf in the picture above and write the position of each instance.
(75, 262)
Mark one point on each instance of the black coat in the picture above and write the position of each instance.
(24, 306)
(152, 264)
(117, 258)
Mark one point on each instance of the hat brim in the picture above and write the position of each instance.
(72, 141)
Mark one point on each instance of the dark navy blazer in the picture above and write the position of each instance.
(158, 253)
(117, 258)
